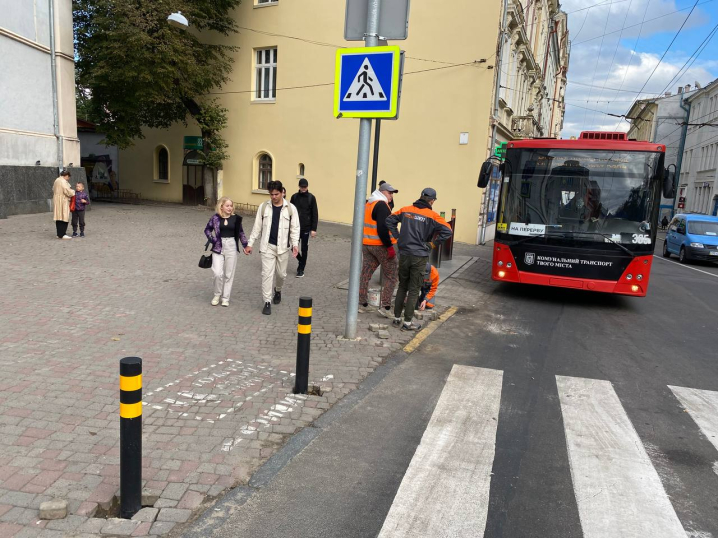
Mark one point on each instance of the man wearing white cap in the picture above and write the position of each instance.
(378, 249)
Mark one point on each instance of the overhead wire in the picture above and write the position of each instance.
(615, 51)
(595, 67)
(332, 83)
(635, 46)
(575, 44)
(666, 51)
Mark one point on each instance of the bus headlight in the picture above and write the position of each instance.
(509, 265)
(639, 277)
(635, 288)
(501, 274)
(697, 245)
(500, 264)
(629, 276)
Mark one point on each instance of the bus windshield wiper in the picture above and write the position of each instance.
(605, 236)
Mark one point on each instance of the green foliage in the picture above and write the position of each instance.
(142, 73)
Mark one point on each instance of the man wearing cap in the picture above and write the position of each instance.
(420, 225)
(306, 205)
(378, 248)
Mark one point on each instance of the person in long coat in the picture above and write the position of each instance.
(61, 194)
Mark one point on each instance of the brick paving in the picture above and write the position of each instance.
(217, 381)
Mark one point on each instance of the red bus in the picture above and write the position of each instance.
(579, 214)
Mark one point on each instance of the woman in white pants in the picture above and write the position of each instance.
(224, 231)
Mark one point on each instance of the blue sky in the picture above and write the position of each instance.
(617, 44)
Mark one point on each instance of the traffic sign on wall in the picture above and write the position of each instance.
(367, 82)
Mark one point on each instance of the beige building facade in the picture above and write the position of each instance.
(281, 124)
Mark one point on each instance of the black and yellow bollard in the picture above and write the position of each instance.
(304, 336)
(130, 436)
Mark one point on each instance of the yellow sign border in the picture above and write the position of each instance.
(394, 97)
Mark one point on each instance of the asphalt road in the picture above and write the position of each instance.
(553, 442)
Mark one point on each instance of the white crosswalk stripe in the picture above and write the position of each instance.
(702, 406)
(618, 492)
(445, 491)
(617, 489)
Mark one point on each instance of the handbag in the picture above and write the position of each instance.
(72, 204)
(205, 261)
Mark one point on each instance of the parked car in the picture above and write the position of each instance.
(692, 237)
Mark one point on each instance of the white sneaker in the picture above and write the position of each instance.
(225, 302)
(215, 300)
(66, 237)
(389, 314)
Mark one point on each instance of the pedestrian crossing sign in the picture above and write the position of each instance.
(366, 82)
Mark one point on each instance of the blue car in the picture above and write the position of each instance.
(692, 237)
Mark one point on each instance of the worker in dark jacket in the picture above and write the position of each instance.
(306, 205)
(420, 225)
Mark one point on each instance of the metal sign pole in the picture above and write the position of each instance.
(350, 330)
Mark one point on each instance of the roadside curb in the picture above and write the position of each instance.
(425, 333)
(216, 515)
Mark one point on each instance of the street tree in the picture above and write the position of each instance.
(135, 71)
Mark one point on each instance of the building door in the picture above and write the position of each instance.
(715, 206)
(192, 180)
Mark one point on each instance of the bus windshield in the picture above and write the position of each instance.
(593, 195)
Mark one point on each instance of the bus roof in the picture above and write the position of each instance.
(606, 145)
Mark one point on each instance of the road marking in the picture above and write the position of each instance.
(686, 266)
(425, 333)
(618, 491)
(702, 406)
(445, 491)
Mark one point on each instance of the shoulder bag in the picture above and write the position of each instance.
(205, 261)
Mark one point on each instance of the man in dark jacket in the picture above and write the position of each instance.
(420, 225)
(306, 205)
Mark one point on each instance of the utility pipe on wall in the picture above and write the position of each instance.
(55, 104)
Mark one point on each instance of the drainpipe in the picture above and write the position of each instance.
(681, 147)
(53, 69)
(481, 239)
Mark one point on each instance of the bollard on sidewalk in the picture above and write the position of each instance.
(130, 436)
(304, 336)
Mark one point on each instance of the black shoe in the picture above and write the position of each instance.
(277, 297)
(300, 274)
(267, 310)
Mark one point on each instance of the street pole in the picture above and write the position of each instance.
(495, 114)
(375, 164)
(371, 39)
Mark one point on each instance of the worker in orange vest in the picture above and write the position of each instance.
(428, 290)
(378, 248)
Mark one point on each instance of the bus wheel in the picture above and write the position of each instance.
(666, 254)
(682, 256)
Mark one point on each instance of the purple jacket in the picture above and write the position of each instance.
(212, 233)
(81, 195)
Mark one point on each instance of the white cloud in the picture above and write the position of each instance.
(613, 65)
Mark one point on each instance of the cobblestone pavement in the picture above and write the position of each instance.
(217, 381)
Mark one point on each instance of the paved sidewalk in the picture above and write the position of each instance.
(217, 381)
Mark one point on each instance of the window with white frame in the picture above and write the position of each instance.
(265, 74)
(264, 169)
(265, 2)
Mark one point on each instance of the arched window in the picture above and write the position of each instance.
(265, 171)
(162, 164)
(300, 169)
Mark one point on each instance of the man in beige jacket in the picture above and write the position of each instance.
(61, 194)
(277, 224)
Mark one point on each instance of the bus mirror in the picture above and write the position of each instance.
(669, 186)
(485, 174)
